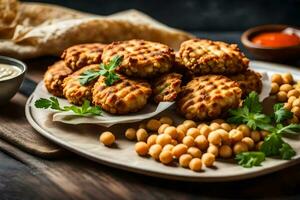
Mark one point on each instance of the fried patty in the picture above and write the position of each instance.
(124, 96)
(203, 57)
(54, 76)
(140, 58)
(81, 55)
(167, 87)
(75, 92)
(208, 97)
(249, 81)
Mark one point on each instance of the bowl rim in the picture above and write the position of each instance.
(248, 43)
(18, 63)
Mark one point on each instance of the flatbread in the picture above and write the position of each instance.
(31, 34)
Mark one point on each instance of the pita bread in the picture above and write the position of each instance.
(27, 34)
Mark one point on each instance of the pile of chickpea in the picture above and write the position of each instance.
(191, 145)
(288, 91)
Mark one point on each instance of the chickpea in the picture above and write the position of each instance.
(226, 127)
(166, 157)
(151, 140)
(240, 147)
(264, 134)
(168, 147)
(153, 125)
(249, 142)
(296, 111)
(236, 135)
(214, 138)
(201, 125)
(171, 130)
(181, 131)
(130, 133)
(107, 138)
(180, 136)
(162, 128)
(291, 99)
(285, 88)
(141, 148)
(163, 139)
(174, 142)
(281, 96)
(244, 129)
(287, 78)
(185, 159)
(142, 125)
(213, 149)
(141, 135)
(205, 130)
(296, 103)
(166, 120)
(255, 135)
(189, 124)
(195, 152)
(225, 151)
(188, 141)
(287, 106)
(208, 159)
(276, 78)
(154, 151)
(293, 93)
(218, 121)
(178, 150)
(214, 126)
(258, 145)
(274, 88)
(201, 142)
(224, 135)
(194, 132)
(195, 164)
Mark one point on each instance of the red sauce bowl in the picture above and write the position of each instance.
(276, 54)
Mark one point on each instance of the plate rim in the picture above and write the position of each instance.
(122, 166)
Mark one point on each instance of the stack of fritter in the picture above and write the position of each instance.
(195, 78)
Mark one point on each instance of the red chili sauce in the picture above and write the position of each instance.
(276, 39)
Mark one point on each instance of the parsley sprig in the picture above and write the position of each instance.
(250, 159)
(84, 110)
(104, 70)
(251, 113)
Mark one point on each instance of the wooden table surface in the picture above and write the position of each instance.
(24, 176)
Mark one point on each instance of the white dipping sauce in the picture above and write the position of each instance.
(8, 71)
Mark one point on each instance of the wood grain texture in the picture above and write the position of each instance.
(77, 178)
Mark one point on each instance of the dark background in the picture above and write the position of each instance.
(199, 15)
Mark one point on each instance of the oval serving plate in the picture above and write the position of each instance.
(83, 140)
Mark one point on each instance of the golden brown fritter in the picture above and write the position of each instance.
(54, 76)
(75, 92)
(249, 81)
(140, 58)
(207, 97)
(167, 87)
(123, 97)
(203, 57)
(81, 55)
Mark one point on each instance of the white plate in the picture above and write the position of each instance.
(83, 140)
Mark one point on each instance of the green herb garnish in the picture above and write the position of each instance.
(104, 70)
(250, 159)
(84, 110)
(251, 113)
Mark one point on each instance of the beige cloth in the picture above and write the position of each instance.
(30, 30)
